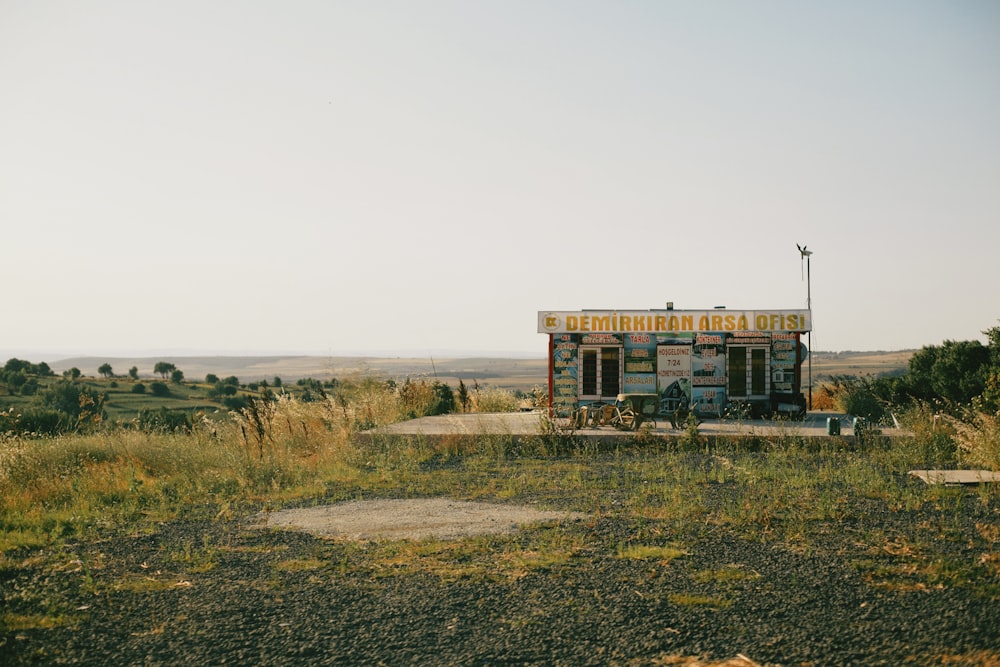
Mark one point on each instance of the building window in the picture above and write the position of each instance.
(748, 372)
(600, 372)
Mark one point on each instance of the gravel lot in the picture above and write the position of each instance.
(230, 592)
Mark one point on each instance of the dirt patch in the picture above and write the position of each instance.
(412, 519)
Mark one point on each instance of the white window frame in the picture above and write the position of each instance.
(600, 370)
(749, 373)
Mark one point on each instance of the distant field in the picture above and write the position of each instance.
(826, 364)
(514, 374)
(508, 373)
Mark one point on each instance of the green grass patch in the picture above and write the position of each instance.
(696, 600)
(662, 554)
(11, 622)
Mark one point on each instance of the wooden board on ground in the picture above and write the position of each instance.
(956, 477)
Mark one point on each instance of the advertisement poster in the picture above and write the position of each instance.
(564, 377)
(673, 376)
(708, 401)
(783, 351)
(640, 364)
(708, 373)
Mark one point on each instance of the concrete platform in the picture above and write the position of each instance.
(530, 423)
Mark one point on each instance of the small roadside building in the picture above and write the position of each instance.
(704, 360)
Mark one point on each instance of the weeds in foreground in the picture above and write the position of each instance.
(54, 488)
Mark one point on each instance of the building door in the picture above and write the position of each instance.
(748, 372)
(600, 373)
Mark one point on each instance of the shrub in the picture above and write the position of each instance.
(235, 403)
(164, 420)
(856, 396)
(139, 388)
(159, 389)
(35, 420)
(823, 398)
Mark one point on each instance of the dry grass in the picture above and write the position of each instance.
(691, 661)
(978, 439)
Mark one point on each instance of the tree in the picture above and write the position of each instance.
(993, 334)
(15, 380)
(953, 371)
(15, 365)
(463, 395)
(133, 373)
(177, 376)
(105, 370)
(164, 368)
(211, 378)
(445, 398)
(73, 373)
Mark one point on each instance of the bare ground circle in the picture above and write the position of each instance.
(413, 519)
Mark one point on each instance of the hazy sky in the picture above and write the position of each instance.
(397, 177)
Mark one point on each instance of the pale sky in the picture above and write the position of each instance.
(425, 176)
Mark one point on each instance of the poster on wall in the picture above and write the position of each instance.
(708, 373)
(708, 401)
(640, 363)
(673, 376)
(564, 376)
(783, 351)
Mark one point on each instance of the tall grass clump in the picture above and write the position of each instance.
(270, 449)
(56, 486)
(978, 438)
(52, 487)
(930, 441)
(493, 399)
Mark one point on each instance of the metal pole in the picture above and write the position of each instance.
(806, 254)
(809, 306)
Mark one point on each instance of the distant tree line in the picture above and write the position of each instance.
(19, 376)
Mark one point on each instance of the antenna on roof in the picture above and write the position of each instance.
(803, 253)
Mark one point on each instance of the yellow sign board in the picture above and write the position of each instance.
(672, 321)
